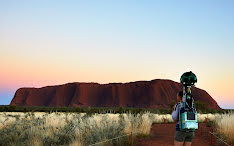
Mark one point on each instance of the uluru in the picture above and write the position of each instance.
(156, 93)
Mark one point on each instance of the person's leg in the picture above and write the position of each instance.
(179, 138)
(177, 143)
(187, 143)
(189, 138)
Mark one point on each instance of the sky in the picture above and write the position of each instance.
(55, 42)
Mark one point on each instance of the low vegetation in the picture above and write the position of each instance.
(225, 127)
(201, 108)
(20, 125)
(64, 128)
(70, 128)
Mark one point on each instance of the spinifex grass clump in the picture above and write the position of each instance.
(79, 129)
(225, 127)
(161, 118)
(70, 128)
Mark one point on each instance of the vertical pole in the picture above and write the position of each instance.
(201, 131)
(211, 130)
(131, 139)
(164, 120)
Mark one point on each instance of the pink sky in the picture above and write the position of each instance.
(46, 43)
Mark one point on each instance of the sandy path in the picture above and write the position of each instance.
(163, 135)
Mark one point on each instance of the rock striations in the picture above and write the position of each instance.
(146, 94)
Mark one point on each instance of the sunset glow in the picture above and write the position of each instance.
(55, 42)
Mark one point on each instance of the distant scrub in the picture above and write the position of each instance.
(201, 108)
(88, 110)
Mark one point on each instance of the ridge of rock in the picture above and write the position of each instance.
(156, 93)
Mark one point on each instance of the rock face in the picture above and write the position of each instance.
(146, 94)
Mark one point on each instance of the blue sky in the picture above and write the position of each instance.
(117, 41)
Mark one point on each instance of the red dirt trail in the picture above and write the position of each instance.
(163, 135)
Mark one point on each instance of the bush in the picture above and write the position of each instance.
(201, 107)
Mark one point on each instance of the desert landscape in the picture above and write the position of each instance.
(116, 72)
(81, 114)
(81, 129)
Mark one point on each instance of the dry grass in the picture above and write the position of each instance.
(70, 128)
(82, 129)
(225, 126)
(209, 117)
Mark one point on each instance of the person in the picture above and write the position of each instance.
(182, 138)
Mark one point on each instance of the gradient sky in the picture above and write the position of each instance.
(54, 42)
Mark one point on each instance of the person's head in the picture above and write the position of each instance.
(179, 96)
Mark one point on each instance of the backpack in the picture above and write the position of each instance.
(187, 111)
(188, 114)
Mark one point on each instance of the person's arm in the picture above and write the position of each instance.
(175, 113)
